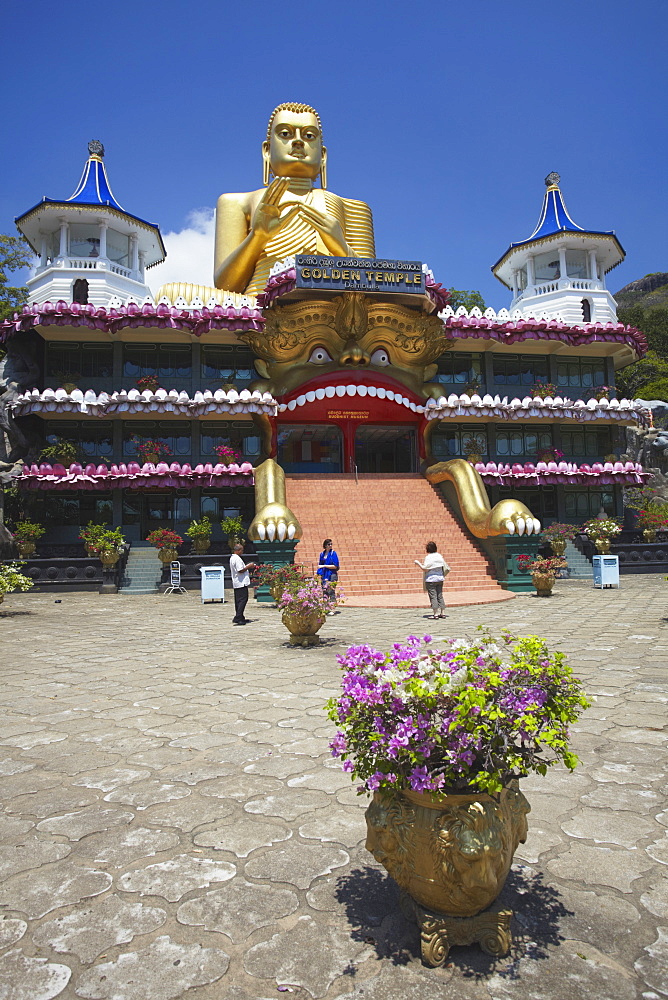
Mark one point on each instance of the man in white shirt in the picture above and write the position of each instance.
(240, 584)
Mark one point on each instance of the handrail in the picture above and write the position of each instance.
(356, 479)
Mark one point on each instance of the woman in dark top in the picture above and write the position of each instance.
(328, 567)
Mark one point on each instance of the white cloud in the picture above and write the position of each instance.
(189, 253)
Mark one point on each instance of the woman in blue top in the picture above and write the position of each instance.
(328, 567)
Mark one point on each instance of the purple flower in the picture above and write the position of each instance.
(419, 779)
(338, 745)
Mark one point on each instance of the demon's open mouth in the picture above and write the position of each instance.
(341, 384)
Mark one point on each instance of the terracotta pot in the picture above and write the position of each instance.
(649, 534)
(167, 555)
(450, 853)
(109, 559)
(201, 544)
(25, 548)
(602, 545)
(558, 546)
(543, 582)
(303, 628)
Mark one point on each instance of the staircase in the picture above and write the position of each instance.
(379, 526)
(579, 567)
(143, 570)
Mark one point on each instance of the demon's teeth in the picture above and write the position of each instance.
(330, 391)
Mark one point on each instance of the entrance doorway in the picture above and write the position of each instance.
(310, 448)
(386, 448)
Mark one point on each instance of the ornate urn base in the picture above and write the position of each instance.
(151, 457)
(303, 628)
(602, 545)
(543, 582)
(201, 545)
(167, 555)
(109, 558)
(558, 546)
(25, 548)
(276, 591)
(451, 855)
(649, 534)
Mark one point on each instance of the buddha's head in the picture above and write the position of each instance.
(293, 147)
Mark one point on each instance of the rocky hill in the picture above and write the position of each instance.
(648, 292)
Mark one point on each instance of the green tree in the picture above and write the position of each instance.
(467, 299)
(646, 379)
(652, 322)
(15, 254)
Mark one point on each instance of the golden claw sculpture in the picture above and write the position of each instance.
(508, 517)
(273, 520)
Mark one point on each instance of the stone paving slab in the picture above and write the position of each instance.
(174, 827)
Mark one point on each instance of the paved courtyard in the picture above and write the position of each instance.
(173, 825)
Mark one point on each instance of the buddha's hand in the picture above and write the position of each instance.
(275, 522)
(511, 517)
(267, 218)
(329, 229)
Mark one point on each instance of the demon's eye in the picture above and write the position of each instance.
(319, 356)
(380, 357)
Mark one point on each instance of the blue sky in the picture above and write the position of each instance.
(445, 117)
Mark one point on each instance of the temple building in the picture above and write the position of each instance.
(325, 377)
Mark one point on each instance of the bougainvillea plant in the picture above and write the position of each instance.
(543, 567)
(149, 382)
(550, 455)
(544, 389)
(28, 531)
(557, 531)
(148, 446)
(228, 454)
(473, 714)
(307, 599)
(164, 538)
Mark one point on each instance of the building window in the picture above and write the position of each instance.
(77, 509)
(460, 370)
(576, 264)
(71, 362)
(84, 241)
(118, 248)
(520, 369)
(583, 504)
(586, 311)
(80, 292)
(235, 434)
(523, 442)
(579, 373)
(161, 360)
(546, 266)
(175, 433)
(458, 440)
(541, 501)
(589, 443)
(228, 363)
(93, 438)
(231, 501)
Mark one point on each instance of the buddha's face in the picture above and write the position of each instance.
(295, 148)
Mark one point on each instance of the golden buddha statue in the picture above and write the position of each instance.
(289, 215)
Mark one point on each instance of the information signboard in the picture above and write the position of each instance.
(359, 274)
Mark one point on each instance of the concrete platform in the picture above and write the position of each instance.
(174, 827)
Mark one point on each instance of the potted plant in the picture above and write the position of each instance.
(651, 508)
(89, 536)
(549, 454)
(227, 454)
(602, 531)
(305, 607)
(26, 534)
(149, 382)
(474, 447)
(542, 390)
(108, 545)
(558, 534)
(232, 527)
(543, 572)
(12, 579)
(68, 380)
(150, 450)
(281, 578)
(200, 533)
(61, 451)
(651, 521)
(441, 734)
(166, 542)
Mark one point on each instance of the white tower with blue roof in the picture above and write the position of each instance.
(90, 249)
(559, 271)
